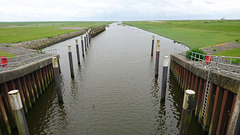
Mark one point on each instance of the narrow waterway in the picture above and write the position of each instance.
(114, 91)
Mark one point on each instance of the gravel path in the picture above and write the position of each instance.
(221, 47)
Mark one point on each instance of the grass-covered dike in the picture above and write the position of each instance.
(15, 32)
(193, 33)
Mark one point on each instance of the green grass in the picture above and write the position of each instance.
(194, 33)
(14, 32)
(232, 52)
(2, 53)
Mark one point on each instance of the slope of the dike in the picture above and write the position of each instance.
(45, 42)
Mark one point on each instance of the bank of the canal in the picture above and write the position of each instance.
(114, 90)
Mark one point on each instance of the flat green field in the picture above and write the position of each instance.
(193, 33)
(14, 32)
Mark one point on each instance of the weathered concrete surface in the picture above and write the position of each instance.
(13, 74)
(226, 81)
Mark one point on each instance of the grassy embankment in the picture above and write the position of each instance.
(14, 32)
(194, 33)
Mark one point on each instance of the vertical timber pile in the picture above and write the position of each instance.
(82, 46)
(152, 45)
(17, 107)
(187, 110)
(164, 77)
(70, 61)
(85, 42)
(157, 58)
(77, 49)
(57, 79)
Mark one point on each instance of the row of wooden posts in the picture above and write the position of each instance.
(189, 96)
(87, 40)
(18, 102)
(165, 67)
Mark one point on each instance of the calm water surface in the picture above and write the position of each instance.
(114, 91)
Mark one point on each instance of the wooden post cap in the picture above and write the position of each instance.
(15, 100)
(158, 46)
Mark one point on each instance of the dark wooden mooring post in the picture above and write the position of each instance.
(57, 79)
(77, 48)
(87, 38)
(82, 46)
(18, 112)
(157, 58)
(90, 30)
(85, 42)
(70, 61)
(187, 110)
(164, 77)
(152, 45)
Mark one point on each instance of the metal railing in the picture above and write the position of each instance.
(21, 60)
(229, 65)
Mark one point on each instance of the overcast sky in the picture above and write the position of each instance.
(117, 10)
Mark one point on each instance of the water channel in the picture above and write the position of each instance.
(114, 91)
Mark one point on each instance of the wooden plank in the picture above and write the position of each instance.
(201, 99)
(216, 110)
(19, 87)
(223, 110)
(199, 96)
(25, 89)
(34, 84)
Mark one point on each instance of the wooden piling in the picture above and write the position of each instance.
(82, 46)
(220, 125)
(19, 87)
(34, 85)
(8, 106)
(200, 91)
(17, 108)
(6, 126)
(47, 75)
(26, 91)
(201, 100)
(152, 45)
(187, 110)
(164, 77)
(42, 80)
(157, 58)
(77, 49)
(70, 61)
(85, 42)
(31, 89)
(216, 110)
(57, 79)
(38, 82)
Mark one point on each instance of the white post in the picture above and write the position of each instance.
(18, 112)
(188, 106)
(164, 77)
